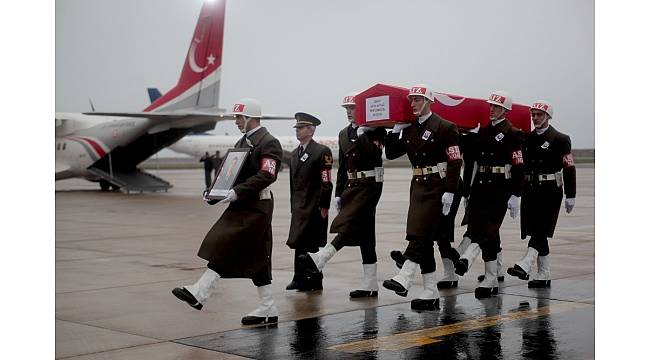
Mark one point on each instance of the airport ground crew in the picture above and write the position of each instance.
(431, 144)
(239, 244)
(495, 188)
(359, 185)
(310, 184)
(548, 173)
(216, 162)
(208, 165)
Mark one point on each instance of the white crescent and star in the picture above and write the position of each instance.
(191, 57)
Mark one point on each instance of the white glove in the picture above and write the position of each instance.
(399, 127)
(447, 199)
(569, 203)
(465, 203)
(363, 129)
(337, 200)
(232, 196)
(513, 206)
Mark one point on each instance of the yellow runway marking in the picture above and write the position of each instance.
(428, 336)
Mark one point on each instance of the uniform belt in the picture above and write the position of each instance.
(361, 174)
(425, 171)
(540, 177)
(492, 169)
(265, 194)
(440, 169)
(556, 177)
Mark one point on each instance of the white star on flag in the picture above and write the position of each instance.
(211, 59)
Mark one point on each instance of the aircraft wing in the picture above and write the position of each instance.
(175, 115)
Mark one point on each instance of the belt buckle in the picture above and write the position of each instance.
(363, 174)
(543, 177)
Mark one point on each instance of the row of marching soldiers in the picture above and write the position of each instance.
(501, 166)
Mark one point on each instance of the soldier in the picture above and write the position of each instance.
(239, 243)
(310, 185)
(359, 184)
(549, 166)
(432, 148)
(495, 188)
(445, 234)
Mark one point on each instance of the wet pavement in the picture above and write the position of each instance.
(503, 327)
(118, 256)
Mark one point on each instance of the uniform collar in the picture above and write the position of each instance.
(541, 131)
(497, 122)
(250, 132)
(423, 118)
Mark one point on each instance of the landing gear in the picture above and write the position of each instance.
(104, 185)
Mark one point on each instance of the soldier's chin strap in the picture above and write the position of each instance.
(424, 104)
(244, 129)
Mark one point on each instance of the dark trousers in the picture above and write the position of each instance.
(208, 178)
(368, 253)
(489, 248)
(447, 251)
(420, 251)
(539, 243)
(263, 277)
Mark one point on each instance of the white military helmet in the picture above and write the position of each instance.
(348, 99)
(500, 98)
(421, 90)
(247, 107)
(544, 106)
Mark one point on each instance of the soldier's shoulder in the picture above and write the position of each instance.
(320, 148)
(560, 135)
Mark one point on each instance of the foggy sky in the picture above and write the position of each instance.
(297, 55)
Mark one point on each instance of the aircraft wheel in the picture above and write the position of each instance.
(104, 185)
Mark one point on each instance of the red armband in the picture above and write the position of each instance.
(567, 160)
(453, 153)
(326, 175)
(269, 165)
(517, 158)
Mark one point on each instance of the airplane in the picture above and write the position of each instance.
(106, 147)
(197, 145)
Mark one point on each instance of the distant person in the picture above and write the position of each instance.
(310, 184)
(359, 184)
(207, 167)
(549, 172)
(216, 161)
(495, 189)
(431, 144)
(239, 244)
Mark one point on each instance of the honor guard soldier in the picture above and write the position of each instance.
(310, 186)
(495, 188)
(549, 171)
(431, 144)
(445, 235)
(359, 184)
(239, 244)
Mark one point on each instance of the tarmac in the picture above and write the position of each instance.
(118, 256)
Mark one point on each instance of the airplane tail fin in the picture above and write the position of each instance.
(198, 86)
(154, 94)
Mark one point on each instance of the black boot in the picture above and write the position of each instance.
(499, 278)
(312, 283)
(427, 305)
(461, 266)
(307, 265)
(482, 293)
(393, 285)
(447, 284)
(355, 294)
(398, 257)
(256, 320)
(184, 295)
(539, 284)
(517, 271)
(296, 283)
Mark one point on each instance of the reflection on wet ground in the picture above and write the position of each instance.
(535, 324)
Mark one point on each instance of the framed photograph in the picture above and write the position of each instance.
(227, 174)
